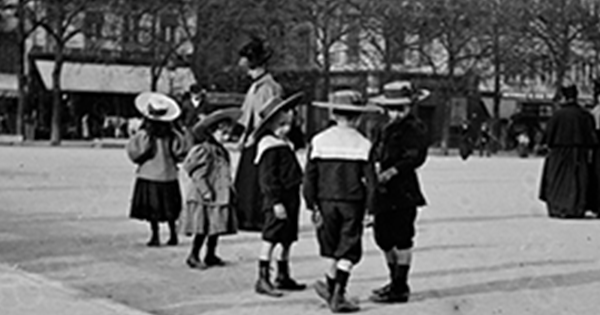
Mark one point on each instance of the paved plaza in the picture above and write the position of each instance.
(484, 246)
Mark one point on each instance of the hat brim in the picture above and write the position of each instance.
(215, 117)
(348, 107)
(143, 100)
(286, 104)
(386, 101)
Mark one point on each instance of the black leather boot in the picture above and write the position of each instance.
(325, 289)
(386, 288)
(263, 284)
(284, 281)
(338, 302)
(399, 290)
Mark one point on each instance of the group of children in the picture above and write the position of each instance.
(347, 178)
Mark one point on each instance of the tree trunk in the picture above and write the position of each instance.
(55, 133)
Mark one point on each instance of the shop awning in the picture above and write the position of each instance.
(112, 78)
(9, 85)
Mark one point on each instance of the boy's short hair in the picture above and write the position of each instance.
(350, 115)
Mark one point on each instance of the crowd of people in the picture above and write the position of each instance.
(353, 178)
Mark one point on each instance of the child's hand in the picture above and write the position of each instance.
(369, 220)
(316, 218)
(207, 196)
(279, 210)
(386, 175)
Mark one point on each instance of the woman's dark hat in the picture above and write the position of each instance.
(569, 92)
(347, 100)
(157, 106)
(274, 106)
(256, 52)
(215, 117)
(400, 93)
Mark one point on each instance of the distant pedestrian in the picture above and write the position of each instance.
(157, 148)
(193, 106)
(253, 57)
(399, 152)
(485, 140)
(466, 144)
(208, 211)
(570, 137)
(279, 179)
(339, 186)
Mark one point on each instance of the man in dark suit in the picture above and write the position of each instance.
(193, 106)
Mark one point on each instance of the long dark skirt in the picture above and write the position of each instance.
(565, 182)
(594, 187)
(249, 199)
(156, 201)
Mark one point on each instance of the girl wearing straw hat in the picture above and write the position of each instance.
(208, 211)
(279, 179)
(156, 148)
(399, 151)
(338, 185)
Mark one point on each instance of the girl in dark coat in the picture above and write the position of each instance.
(570, 136)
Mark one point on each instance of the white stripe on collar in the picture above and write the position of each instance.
(267, 142)
(342, 143)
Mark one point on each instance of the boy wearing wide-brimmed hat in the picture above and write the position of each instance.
(208, 208)
(279, 179)
(399, 151)
(157, 148)
(339, 184)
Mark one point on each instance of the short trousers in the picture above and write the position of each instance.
(279, 231)
(340, 235)
(394, 227)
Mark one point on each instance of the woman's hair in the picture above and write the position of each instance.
(158, 129)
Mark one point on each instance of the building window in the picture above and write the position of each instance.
(168, 28)
(93, 24)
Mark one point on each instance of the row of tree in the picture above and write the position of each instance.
(488, 38)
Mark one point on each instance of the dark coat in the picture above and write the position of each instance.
(190, 113)
(403, 145)
(570, 126)
(566, 175)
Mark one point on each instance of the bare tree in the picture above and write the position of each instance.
(62, 20)
(560, 25)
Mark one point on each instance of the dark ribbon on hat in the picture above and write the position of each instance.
(156, 111)
(270, 107)
(400, 93)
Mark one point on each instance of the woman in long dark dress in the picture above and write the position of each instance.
(570, 137)
(253, 57)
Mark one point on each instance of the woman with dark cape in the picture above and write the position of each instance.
(570, 138)
(253, 57)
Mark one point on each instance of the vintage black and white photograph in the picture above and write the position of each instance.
(269, 157)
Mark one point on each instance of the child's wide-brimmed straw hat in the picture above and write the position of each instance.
(216, 117)
(399, 93)
(157, 106)
(347, 100)
(274, 106)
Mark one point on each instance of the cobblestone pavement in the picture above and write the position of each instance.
(484, 244)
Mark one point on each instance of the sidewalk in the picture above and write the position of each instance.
(23, 293)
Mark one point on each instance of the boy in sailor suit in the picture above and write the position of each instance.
(279, 179)
(339, 185)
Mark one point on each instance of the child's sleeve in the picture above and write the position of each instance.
(196, 165)
(309, 183)
(268, 178)
(370, 185)
(140, 147)
(179, 146)
(416, 151)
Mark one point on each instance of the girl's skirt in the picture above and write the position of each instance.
(199, 218)
(156, 201)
